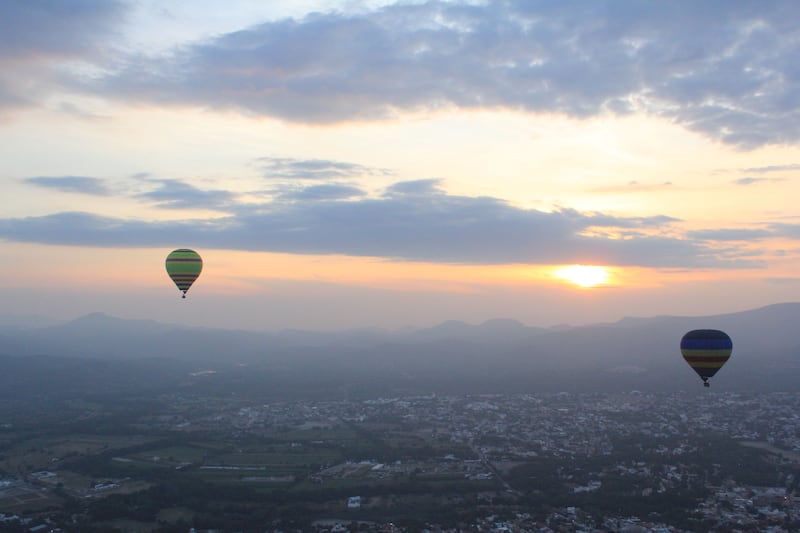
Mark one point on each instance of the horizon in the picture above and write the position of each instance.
(35, 321)
(380, 164)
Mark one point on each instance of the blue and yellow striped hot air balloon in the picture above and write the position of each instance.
(183, 267)
(706, 350)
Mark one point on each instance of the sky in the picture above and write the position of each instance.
(357, 164)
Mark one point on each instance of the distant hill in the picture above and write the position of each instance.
(98, 352)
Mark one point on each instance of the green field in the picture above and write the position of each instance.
(277, 459)
(173, 454)
(337, 435)
(44, 453)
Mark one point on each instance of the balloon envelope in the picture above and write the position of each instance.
(706, 350)
(183, 267)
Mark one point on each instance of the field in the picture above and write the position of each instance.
(172, 454)
(45, 453)
(26, 497)
(312, 465)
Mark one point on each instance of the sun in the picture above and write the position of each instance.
(584, 275)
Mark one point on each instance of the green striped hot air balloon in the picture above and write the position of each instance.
(706, 350)
(183, 267)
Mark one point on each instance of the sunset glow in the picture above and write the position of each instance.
(584, 275)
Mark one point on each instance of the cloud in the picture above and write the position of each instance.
(725, 69)
(751, 181)
(783, 281)
(740, 234)
(38, 39)
(79, 184)
(774, 168)
(791, 231)
(55, 28)
(415, 187)
(85, 229)
(313, 169)
(330, 191)
(401, 224)
(176, 194)
(776, 230)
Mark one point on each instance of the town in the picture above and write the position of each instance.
(632, 461)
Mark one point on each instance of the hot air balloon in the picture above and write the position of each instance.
(183, 266)
(706, 350)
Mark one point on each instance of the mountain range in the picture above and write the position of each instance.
(101, 354)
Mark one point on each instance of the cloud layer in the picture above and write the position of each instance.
(39, 39)
(726, 69)
(77, 184)
(412, 220)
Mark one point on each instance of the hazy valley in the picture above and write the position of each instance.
(100, 354)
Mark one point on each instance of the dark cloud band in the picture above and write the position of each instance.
(78, 184)
(412, 221)
(725, 69)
